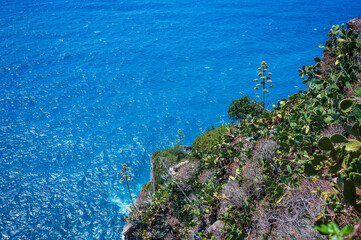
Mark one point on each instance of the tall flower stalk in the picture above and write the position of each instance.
(265, 78)
(180, 137)
(127, 177)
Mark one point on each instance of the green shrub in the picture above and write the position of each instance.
(244, 107)
(210, 138)
(147, 187)
(169, 157)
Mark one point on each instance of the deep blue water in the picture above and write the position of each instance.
(86, 86)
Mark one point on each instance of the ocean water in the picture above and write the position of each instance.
(86, 86)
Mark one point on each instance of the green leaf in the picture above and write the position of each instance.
(279, 200)
(353, 145)
(334, 228)
(330, 228)
(358, 92)
(338, 138)
(289, 169)
(318, 158)
(329, 120)
(357, 113)
(324, 143)
(330, 89)
(324, 100)
(347, 230)
(246, 202)
(355, 130)
(309, 169)
(346, 105)
(349, 192)
(317, 59)
(321, 46)
(323, 229)
(317, 81)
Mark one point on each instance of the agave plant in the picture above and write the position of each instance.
(265, 78)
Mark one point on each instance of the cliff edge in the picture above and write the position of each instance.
(293, 173)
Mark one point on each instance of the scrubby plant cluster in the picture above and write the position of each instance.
(292, 173)
(244, 107)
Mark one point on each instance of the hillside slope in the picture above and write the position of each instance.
(272, 177)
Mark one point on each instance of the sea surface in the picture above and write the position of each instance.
(86, 86)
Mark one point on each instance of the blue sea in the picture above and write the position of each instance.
(86, 86)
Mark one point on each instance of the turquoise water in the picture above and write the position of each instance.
(88, 86)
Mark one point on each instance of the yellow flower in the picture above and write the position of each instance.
(256, 93)
(255, 80)
(258, 85)
(268, 81)
(267, 66)
(263, 77)
(259, 68)
(260, 74)
(255, 88)
(269, 73)
(265, 90)
(264, 70)
(271, 86)
(263, 63)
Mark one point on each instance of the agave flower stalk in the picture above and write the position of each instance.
(127, 177)
(265, 77)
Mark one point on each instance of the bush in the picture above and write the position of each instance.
(210, 138)
(244, 107)
(169, 157)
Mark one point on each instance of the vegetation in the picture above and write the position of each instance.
(127, 178)
(180, 137)
(162, 160)
(244, 107)
(292, 173)
(265, 78)
(210, 138)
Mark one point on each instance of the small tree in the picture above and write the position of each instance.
(244, 107)
(264, 80)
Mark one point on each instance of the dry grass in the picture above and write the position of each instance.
(265, 149)
(291, 218)
(142, 198)
(333, 129)
(253, 180)
(216, 230)
(232, 195)
(205, 176)
(185, 172)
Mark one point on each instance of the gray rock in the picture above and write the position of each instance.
(354, 25)
(127, 231)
